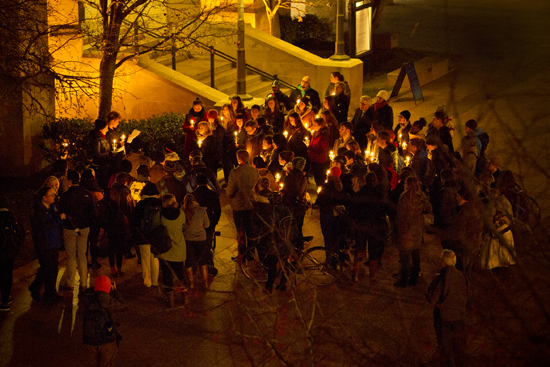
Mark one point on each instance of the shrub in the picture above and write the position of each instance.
(69, 138)
(305, 30)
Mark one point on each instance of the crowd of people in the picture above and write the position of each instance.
(375, 184)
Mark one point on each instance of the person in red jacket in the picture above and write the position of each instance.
(196, 114)
(318, 150)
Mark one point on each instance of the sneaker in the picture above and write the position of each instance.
(10, 301)
(4, 307)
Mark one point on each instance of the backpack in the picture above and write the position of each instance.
(99, 327)
(153, 231)
(484, 138)
(191, 184)
(9, 236)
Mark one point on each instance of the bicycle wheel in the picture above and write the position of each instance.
(315, 268)
(534, 213)
(253, 266)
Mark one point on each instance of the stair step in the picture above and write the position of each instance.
(199, 67)
(230, 87)
(221, 77)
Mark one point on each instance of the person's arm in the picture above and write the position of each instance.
(206, 222)
(435, 290)
(232, 187)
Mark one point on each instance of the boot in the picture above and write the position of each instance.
(373, 266)
(189, 273)
(170, 299)
(415, 270)
(204, 272)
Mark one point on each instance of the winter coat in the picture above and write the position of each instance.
(307, 116)
(385, 115)
(294, 190)
(77, 203)
(195, 228)
(210, 154)
(253, 144)
(444, 206)
(329, 197)
(240, 188)
(210, 200)
(46, 226)
(137, 216)
(410, 218)
(174, 220)
(342, 106)
(189, 129)
(296, 142)
(362, 124)
(449, 293)
(319, 146)
(276, 120)
(101, 148)
(311, 93)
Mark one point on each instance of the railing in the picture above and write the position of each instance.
(214, 52)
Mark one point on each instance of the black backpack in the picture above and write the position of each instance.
(484, 138)
(153, 231)
(191, 184)
(9, 236)
(99, 327)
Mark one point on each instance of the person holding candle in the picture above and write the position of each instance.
(282, 99)
(267, 149)
(303, 109)
(298, 132)
(113, 135)
(254, 138)
(365, 121)
(294, 192)
(403, 128)
(342, 101)
(384, 111)
(336, 77)
(304, 90)
(345, 136)
(218, 134)
(207, 145)
(318, 150)
(102, 149)
(280, 144)
(329, 105)
(239, 107)
(196, 114)
(332, 125)
(273, 114)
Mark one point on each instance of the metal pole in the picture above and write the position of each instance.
(340, 53)
(212, 80)
(241, 64)
(173, 52)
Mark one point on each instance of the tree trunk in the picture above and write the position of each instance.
(106, 75)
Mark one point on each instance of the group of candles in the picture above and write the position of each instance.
(122, 139)
(277, 179)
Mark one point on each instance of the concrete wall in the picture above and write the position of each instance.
(291, 63)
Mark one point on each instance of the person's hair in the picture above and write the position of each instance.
(354, 147)
(297, 121)
(261, 121)
(379, 171)
(269, 139)
(87, 175)
(338, 75)
(287, 156)
(434, 140)
(337, 182)
(420, 144)
(280, 141)
(251, 123)
(263, 183)
(255, 107)
(341, 151)
(73, 176)
(323, 124)
(347, 125)
(136, 145)
(448, 257)
(143, 170)
(51, 182)
(440, 115)
(158, 157)
(342, 85)
(189, 207)
(240, 104)
(331, 120)
(60, 167)
(42, 192)
(123, 178)
(243, 155)
(202, 179)
(384, 135)
(471, 124)
(169, 200)
(239, 116)
(150, 189)
(413, 192)
(420, 123)
(349, 154)
(100, 124)
(268, 110)
(126, 166)
(406, 172)
(122, 198)
(206, 124)
(113, 115)
(231, 110)
(366, 98)
(371, 180)
(259, 162)
(331, 104)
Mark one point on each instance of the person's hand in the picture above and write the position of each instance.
(113, 284)
(62, 216)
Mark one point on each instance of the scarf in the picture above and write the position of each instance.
(379, 105)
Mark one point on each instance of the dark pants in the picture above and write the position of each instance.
(330, 226)
(210, 232)
(319, 171)
(245, 230)
(298, 214)
(93, 237)
(229, 162)
(106, 354)
(6, 278)
(117, 247)
(451, 341)
(171, 269)
(47, 273)
(195, 254)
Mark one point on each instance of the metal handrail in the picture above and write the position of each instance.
(254, 69)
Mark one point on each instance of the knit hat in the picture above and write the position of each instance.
(335, 171)
(275, 83)
(299, 163)
(102, 284)
(197, 101)
(496, 161)
(406, 114)
(195, 155)
(212, 114)
(170, 166)
(383, 94)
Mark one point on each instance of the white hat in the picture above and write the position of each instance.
(383, 94)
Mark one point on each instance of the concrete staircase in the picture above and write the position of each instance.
(198, 68)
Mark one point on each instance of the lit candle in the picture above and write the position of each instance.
(331, 155)
(192, 122)
(316, 116)
(407, 161)
(400, 135)
(123, 138)
(328, 172)
(297, 101)
(114, 143)
(286, 134)
(306, 141)
(199, 142)
(372, 156)
(282, 185)
(305, 124)
(319, 189)
(333, 93)
(236, 139)
(404, 146)
(277, 177)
